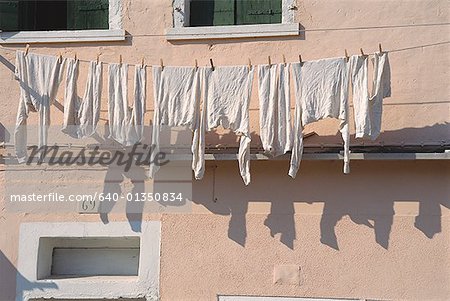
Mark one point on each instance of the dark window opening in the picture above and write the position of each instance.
(54, 15)
(234, 12)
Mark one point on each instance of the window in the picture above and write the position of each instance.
(234, 12)
(44, 21)
(225, 19)
(34, 15)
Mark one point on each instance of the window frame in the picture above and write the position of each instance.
(182, 31)
(114, 33)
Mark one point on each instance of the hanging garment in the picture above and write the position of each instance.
(39, 77)
(71, 101)
(321, 91)
(360, 90)
(226, 103)
(177, 97)
(381, 88)
(126, 123)
(118, 102)
(81, 116)
(274, 108)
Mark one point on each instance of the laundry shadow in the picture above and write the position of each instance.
(8, 283)
(369, 199)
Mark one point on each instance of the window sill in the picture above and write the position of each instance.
(233, 31)
(69, 36)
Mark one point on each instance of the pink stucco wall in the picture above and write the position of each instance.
(382, 232)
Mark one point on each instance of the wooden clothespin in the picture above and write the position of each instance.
(75, 56)
(346, 55)
(27, 48)
(196, 65)
(362, 52)
(270, 61)
(379, 48)
(60, 58)
(249, 63)
(212, 64)
(300, 59)
(161, 63)
(143, 63)
(98, 58)
(284, 60)
(120, 59)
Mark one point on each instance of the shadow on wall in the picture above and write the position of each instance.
(6, 270)
(366, 196)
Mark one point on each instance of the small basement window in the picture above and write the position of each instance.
(234, 12)
(36, 15)
(93, 256)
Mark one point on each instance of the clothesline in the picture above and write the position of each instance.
(13, 50)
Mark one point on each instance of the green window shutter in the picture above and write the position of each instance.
(212, 12)
(87, 14)
(9, 15)
(258, 11)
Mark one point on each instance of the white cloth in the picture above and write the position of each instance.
(81, 116)
(226, 103)
(381, 89)
(39, 77)
(321, 91)
(177, 98)
(360, 90)
(274, 108)
(118, 114)
(89, 112)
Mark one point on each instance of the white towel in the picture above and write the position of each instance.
(321, 91)
(274, 108)
(89, 112)
(226, 102)
(359, 78)
(381, 89)
(177, 97)
(39, 77)
(72, 103)
(118, 113)
(126, 123)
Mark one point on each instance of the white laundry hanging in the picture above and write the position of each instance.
(360, 90)
(274, 108)
(126, 123)
(81, 116)
(39, 77)
(226, 102)
(321, 91)
(381, 89)
(177, 97)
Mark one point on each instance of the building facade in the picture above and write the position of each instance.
(381, 232)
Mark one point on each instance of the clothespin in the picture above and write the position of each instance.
(249, 63)
(75, 57)
(143, 63)
(284, 60)
(120, 59)
(379, 48)
(362, 52)
(212, 64)
(300, 59)
(270, 61)
(27, 48)
(60, 58)
(161, 63)
(196, 65)
(346, 55)
(98, 58)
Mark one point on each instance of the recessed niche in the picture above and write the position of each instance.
(72, 257)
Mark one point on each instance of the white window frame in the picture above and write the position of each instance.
(182, 31)
(145, 285)
(114, 33)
